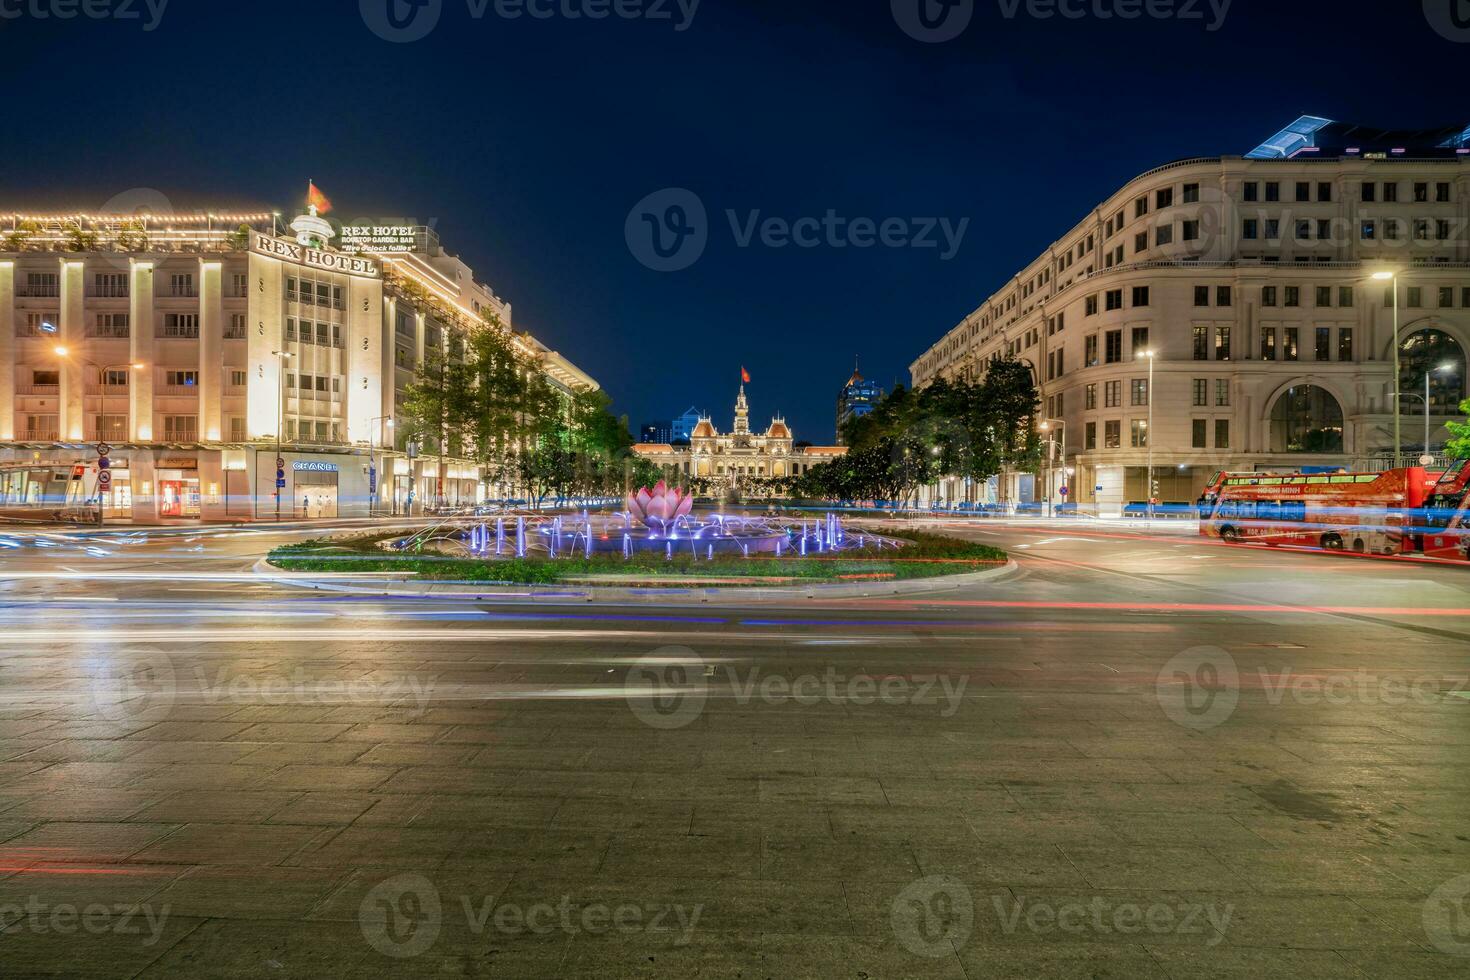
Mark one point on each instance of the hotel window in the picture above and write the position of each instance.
(1441, 230)
(1201, 342)
(1290, 341)
(1201, 387)
(290, 379)
(184, 325)
(115, 325)
(237, 378)
(110, 427)
(1465, 296)
(110, 284)
(323, 334)
(1390, 192)
(1222, 342)
(42, 427)
(1140, 340)
(1090, 439)
(1113, 299)
(1442, 193)
(1273, 229)
(290, 289)
(1090, 351)
(1421, 230)
(325, 431)
(1112, 434)
(1250, 229)
(1446, 296)
(237, 429)
(1369, 191)
(1138, 392)
(180, 428)
(1140, 207)
(323, 294)
(1324, 295)
(1324, 229)
(1198, 433)
(1191, 193)
(1324, 190)
(1164, 235)
(1223, 296)
(1273, 190)
(1140, 295)
(1089, 305)
(1322, 349)
(1089, 397)
(1190, 231)
(1345, 296)
(1268, 343)
(46, 379)
(1293, 296)
(1201, 295)
(181, 284)
(1370, 231)
(180, 379)
(338, 303)
(238, 284)
(1222, 433)
(41, 284)
(236, 328)
(1114, 342)
(1164, 198)
(1138, 433)
(1112, 394)
(1250, 191)
(1268, 295)
(290, 328)
(1344, 343)
(1414, 297)
(1222, 392)
(1391, 229)
(1303, 190)
(1140, 241)
(115, 378)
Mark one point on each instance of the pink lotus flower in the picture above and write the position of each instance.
(660, 507)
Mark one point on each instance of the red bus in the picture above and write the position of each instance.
(1369, 513)
(1445, 529)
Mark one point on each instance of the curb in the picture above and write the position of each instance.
(399, 584)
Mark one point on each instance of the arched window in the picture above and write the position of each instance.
(1306, 419)
(1425, 351)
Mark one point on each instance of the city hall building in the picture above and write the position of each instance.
(207, 353)
(1238, 313)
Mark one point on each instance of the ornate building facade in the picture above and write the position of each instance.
(740, 456)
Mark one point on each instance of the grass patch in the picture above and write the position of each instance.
(925, 556)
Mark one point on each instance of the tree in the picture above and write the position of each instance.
(1459, 445)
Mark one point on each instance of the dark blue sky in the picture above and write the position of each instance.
(527, 142)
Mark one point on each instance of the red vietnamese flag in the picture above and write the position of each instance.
(744, 375)
(316, 199)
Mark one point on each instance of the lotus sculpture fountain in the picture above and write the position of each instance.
(659, 508)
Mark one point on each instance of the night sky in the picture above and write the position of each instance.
(527, 142)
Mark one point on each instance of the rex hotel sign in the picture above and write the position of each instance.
(278, 248)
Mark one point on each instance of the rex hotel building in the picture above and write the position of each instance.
(198, 348)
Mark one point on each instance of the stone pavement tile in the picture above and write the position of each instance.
(246, 949)
(303, 753)
(1299, 871)
(658, 856)
(74, 804)
(544, 852)
(18, 749)
(1341, 753)
(14, 828)
(73, 750)
(1235, 963)
(1440, 833)
(1166, 868)
(1027, 828)
(879, 907)
(204, 776)
(323, 809)
(463, 894)
(931, 792)
(1003, 864)
(1109, 771)
(1423, 872)
(898, 823)
(798, 957)
(755, 819)
(696, 787)
(812, 859)
(19, 727)
(1216, 831)
(403, 755)
(288, 731)
(99, 730)
(404, 847)
(1410, 916)
(1407, 966)
(490, 735)
(419, 780)
(254, 714)
(349, 778)
(822, 789)
(384, 732)
(184, 751)
(73, 775)
(585, 784)
(1335, 834)
(251, 891)
(82, 842)
(1316, 922)
(1048, 797)
(461, 715)
(1061, 962)
(1128, 748)
(218, 843)
(189, 731)
(238, 806)
(683, 759)
(1195, 798)
(672, 817)
(124, 944)
(508, 757)
(52, 884)
(487, 811)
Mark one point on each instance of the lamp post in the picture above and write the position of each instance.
(372, 437)
(1046, 425)
(1425, 398)
(1148, 434)
(64, 352)
(1393, 278)
(282, 356)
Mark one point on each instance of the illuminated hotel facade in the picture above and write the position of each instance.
(194, 345)
(1224, 311)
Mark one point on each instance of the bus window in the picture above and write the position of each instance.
(1294, 510)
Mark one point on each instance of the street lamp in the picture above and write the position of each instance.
(1148, 435)
(374, 436)
(1046, 425)
(282, 356)
(65, 352)
(1393, 277)
(1425, 399)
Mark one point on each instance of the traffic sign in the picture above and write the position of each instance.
(280, 463)
(104, 480)
(280, 483)
(104, 463)
(1064, 491)
(103, 449)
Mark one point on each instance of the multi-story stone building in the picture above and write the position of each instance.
(857, 398)
(1253, 291)
(202, 348)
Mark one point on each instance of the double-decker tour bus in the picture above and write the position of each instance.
(1369, 513)
(1445, 529)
